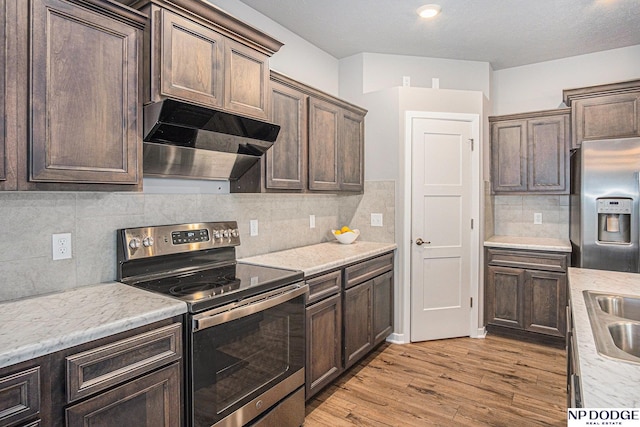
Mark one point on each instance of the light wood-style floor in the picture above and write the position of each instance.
(463, 381)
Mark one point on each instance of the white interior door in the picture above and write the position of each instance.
(440, 228)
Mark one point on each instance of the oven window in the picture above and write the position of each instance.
(236, 361)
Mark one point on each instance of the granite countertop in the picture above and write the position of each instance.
(532, 243)
(606, 382)
(315, 259)
(37, 326)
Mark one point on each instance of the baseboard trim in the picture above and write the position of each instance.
(397, 339)
(480, 333)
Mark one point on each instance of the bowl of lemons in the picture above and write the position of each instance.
(346, 235)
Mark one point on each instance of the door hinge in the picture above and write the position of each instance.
(472, 223)
(471, 141)
(471, 302)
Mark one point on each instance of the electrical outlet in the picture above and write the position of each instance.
(253, 226)
(376, 220)
(61, 246)
(406, 81)
(312, 221)
(537, 218)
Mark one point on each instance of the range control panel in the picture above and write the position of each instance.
(145, 242)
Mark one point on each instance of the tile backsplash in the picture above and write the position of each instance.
(514, 216)
(28, 219)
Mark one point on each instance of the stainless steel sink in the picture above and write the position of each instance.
(620, 306)
(615, 322)
(626, 336)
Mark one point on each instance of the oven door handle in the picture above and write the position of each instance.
(247, 306)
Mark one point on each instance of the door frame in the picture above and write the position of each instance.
(476, 197)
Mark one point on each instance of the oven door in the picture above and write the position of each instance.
(247, 356)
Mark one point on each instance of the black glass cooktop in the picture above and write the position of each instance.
(213, 287)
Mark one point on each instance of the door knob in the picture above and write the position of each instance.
(419, 242)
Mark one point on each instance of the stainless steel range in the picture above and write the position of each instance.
(245, 332)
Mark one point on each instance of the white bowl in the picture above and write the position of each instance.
(348, 237)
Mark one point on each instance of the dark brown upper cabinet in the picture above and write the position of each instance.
(8, 63)
(530, 152)
(605, 111)
(324, 145)
(286, 160)
(191, 58)
(320, 146)
(198, 53)
(336, 147)
(72, 109)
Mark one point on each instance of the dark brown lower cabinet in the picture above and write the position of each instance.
(545, 303)
(349, 312)
(131, 379)
(382, 307)
(20, 396)
(358, 315)
(150, 401)
(324, 343)
(525, 292)
(503, 295)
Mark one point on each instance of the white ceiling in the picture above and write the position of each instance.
(506, 33)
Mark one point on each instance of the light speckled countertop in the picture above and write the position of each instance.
(315, 259)
(37, 326)
(606, 382)
(533, 243)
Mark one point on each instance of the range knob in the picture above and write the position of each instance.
(226, 233)
(235, 232)
(134, 243)
(147, 242)
(217, 234)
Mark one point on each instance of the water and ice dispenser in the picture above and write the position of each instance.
(614, 220)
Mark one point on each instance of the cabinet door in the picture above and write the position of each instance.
(548, 154)
(84, 96)
(192, 58)
(382, 307)
(358, 331)
(509, 156)
(504, 296)
(351, 152)
(324, 121)
(246, 75)
(149, 401)
(605, 117)
(8, 160)
(286, 160)
(545, 301)
(324, 343)
(19, 396)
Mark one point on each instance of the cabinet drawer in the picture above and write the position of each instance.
(97, 369)
(324, 286)
(528, 260)
(150, 401)
(366, 270)
(19, 396)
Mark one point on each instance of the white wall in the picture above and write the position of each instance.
(298, 58)
(539, 86)
(370, 72)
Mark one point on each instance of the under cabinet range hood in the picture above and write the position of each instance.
(189, 141)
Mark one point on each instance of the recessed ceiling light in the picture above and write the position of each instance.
(429, 10)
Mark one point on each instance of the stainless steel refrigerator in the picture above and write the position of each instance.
(604, 201)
